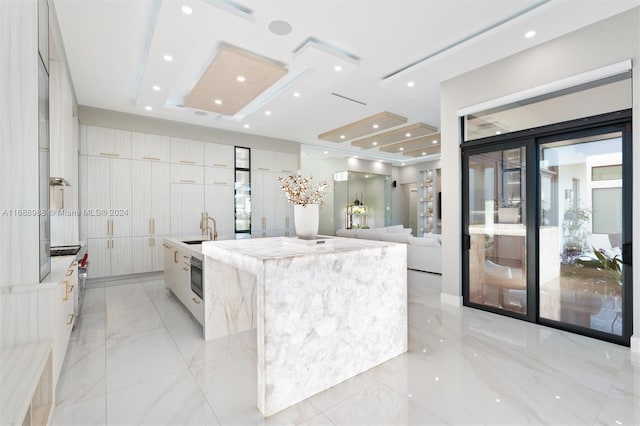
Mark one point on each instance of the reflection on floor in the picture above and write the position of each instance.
(136, 357)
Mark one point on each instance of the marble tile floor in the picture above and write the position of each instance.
(137, 357)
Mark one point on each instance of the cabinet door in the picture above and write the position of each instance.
(262, 160)
(187, 206)
(167, 254)
(160, 198)
(157, 253)
(121, 262)
(218, 155)
(183, 173)
(150, 147)
(219, 205)
(98, 197)
(143, 249)
(120, 198)
(99, 250)
(257, 202)
(286, 163)
(141, 197)
(272, 193)
(185, 151)
(110, 143)
(218, 176)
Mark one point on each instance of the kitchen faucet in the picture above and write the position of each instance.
(204, 226)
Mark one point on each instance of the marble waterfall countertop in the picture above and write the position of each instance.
(323, 313)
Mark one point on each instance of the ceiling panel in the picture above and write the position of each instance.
(233, 79)
(375, 123)
(394, 136)
(413, 144)
(435, 149)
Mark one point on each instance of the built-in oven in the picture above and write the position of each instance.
(196, 276)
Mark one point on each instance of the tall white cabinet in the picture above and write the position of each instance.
(271, 213)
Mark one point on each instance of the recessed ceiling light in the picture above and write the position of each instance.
(148, 108)
(246, 126)
(168, 58)
(407, 135)
(375, 126)
(402, 164)
(434, 141)
(217, 102)
(337, 68)
(498, 132)
(280, 27)
(342, 136)
(355, 156)
(187, 10)
(326, 152)
(267, 112)
(366, 176)
(374, 143)
(529, 34)
(410, 84)
(424, 153)
(379, 161)
(241, 78)
(296, 94)
(401, 149)
(200, 113)
(156, 87)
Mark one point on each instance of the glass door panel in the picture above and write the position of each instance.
(497, 230)
(580, 237)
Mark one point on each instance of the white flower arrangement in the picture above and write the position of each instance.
(299, 190)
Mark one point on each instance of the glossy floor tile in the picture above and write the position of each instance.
(137, 356)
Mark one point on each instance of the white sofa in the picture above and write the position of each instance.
(423, 253)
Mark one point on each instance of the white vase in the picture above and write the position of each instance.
(306, 220)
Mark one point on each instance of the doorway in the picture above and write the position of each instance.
(547, 222)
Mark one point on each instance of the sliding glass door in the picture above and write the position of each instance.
(497, 232)
(582, 210)
(547, 224)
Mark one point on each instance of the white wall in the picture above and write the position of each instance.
(609, 41)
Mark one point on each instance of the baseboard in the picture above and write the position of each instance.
(450, 299)
(123, 279)
(635, 343)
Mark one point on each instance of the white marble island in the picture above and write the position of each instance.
(323, 313)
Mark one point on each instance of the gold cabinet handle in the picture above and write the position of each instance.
(286, 221)
(165, 246)
(262, 168)
(71, 316)
(67, 289)
(175, 256)
(196, 300)
(185, 269)
(112, 223)
(109, 154)
(69, 273)
(219, 165)
(150, 228)
(187, 162)
(187, 181)
(62, 197)
(153, 226)
(186, 257)
(188, 264)
(151, 158)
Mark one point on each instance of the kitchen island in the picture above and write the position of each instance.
(324, 313)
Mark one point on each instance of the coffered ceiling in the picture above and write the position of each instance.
(309, 66)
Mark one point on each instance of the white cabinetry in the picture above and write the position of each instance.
(150, 200)
(177, 275)
(219, 206)
(104, 142)
(187, 206)
(109, 256)
(217, 155)
(65, 317)
(271, 213)
(184, 173)
(148, 252)
(150, 147)
(108, 197)
(186, 151)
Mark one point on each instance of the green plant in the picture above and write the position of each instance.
(574, 227)
(604, 262)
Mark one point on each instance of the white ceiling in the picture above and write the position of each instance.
(115, 51)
